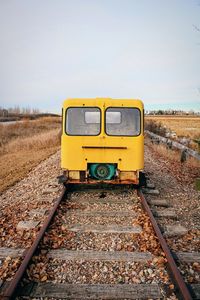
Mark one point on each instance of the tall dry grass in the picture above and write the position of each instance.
(37, 142)
(26, 128)
(184, 126)
(173, 155)
(23, 145)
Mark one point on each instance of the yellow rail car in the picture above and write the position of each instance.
(102, 140)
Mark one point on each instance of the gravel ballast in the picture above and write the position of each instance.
(32, 198)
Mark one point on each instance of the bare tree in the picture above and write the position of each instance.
(35, 111)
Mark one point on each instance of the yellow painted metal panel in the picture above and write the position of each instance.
(75, 157)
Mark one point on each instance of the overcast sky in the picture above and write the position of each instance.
(54, 49)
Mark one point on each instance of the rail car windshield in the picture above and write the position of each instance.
(119, 121)
(122, 121)
(83, 121)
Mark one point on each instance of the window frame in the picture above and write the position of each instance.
(121, 107)
(84, 121)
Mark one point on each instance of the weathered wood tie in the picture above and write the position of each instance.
(100, 255)
(150, 185)
(91, 255)
(104, 228)
(150, 191)
(166, 213)
(101, 201)
(11, 252)
(85, 291)
(27, 225)
(158, 202)
(95, 213)
(93, 291)
(188, 257)
(175, 230)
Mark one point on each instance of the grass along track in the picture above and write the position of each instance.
(112, 257)
(24, 145)
(185, 126)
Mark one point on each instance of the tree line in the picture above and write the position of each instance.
(18, 111)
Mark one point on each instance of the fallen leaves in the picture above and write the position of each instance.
(159, 260)
(9, 268)
(188, 242)
(38, 269)
(147, 240)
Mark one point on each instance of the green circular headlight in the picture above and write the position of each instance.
(102, 171)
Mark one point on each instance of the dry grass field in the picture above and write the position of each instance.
(24, 144)
(184, 126)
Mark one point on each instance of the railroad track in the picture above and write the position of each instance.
(98, 244)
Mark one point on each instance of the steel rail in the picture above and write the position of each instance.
(185, 293)
(10, 291)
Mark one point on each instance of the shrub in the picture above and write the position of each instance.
(155, 127)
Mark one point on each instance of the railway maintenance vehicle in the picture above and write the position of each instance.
(102, 141)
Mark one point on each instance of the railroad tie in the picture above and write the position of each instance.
(95, 213)
(103, 228)
(91, 255)
(93, 291)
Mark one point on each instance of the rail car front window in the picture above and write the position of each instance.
(123, 121)
(83, 121)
